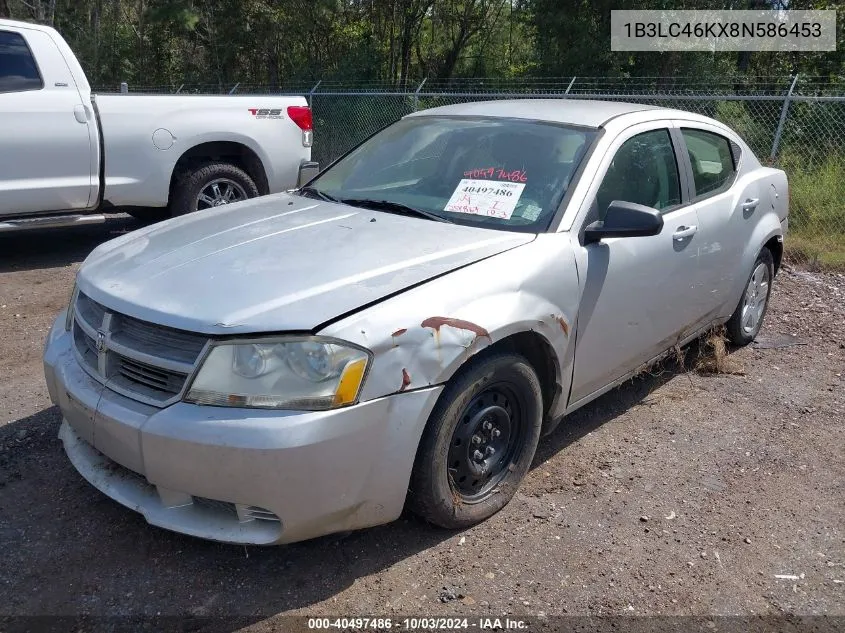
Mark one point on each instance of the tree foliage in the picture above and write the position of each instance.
(274, 42)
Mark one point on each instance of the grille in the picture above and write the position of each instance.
(144, 361)
(218, 506)
(157, 340)
(260, 514)
(89, 310)
(147, 378)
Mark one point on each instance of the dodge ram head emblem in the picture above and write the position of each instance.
(101, 341)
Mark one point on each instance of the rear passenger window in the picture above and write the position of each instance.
(18, 71)
(644, 171)
(713, 168)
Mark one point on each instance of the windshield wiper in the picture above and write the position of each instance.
(394, 207)
(322, 195)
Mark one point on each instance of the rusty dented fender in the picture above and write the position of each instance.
(421, 337)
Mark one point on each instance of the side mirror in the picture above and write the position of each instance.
(307, 170)
(625, 219)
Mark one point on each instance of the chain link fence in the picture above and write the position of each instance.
(795, 123)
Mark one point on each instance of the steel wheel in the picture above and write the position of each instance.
(479, 441)
(754, 301)
(219, 192)
(490, 431)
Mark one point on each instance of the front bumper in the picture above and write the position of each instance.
(238, 475)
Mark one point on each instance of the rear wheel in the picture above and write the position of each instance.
(747, 319)
(479, 442)
(211, 185)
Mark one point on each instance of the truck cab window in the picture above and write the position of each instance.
(18, 71)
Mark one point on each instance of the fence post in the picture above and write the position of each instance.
(417, 94)
(783, 113)
(311, 94)
(569, 86)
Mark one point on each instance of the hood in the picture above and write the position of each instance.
(276, 263)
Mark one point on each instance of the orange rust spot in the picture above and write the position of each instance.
(437, 322)
(400, 332)
(406, 379)
(563, 324)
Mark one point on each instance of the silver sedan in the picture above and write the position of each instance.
(401, 331)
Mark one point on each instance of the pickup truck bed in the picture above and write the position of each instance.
(66, 152)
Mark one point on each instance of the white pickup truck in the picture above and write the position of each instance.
(68, 156)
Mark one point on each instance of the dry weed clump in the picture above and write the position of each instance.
(713, 357)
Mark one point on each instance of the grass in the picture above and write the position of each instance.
(818, 252)
(816, 209)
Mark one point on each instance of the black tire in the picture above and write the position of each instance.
(191, 182)
(435, 494)
(740, 333)
(148, 216)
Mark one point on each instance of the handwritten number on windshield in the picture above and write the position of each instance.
(517, 175)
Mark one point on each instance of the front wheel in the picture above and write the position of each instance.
(478, 443)
(747, 319)
(211, 185)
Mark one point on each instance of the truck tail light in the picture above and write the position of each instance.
(301, 115)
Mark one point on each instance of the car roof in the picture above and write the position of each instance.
(587, 112)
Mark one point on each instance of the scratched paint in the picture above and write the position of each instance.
(437, 322)
(406, 379)
(562, 323)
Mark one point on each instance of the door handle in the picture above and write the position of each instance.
(750, 204)
(684, 232)
(80, 114)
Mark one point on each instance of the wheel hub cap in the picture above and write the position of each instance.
(219, 192)
(754, 301)
(484, 443)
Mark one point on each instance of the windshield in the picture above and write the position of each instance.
(498, 173)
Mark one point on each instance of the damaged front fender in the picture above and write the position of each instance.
(423, 336)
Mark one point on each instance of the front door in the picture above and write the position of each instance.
(45, 141)
(639, 293)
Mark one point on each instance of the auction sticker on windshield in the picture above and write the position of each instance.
(490, 198)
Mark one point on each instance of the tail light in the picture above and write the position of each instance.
(301, 115)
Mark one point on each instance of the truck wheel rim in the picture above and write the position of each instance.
(754, 302)
(219, 192)
(487, 440)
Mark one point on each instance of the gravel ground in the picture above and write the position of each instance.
(680, 493)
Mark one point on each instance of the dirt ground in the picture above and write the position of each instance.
(680, 493)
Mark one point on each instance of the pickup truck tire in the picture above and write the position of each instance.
(747, 319)
(478, 443)
(208, 185)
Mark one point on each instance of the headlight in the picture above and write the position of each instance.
(307, 373)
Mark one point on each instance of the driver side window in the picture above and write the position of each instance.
(644, 171)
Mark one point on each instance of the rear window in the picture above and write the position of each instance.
(18, 71)
(712, 162)
(500, 173)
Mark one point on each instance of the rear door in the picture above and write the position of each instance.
(640, 294)
(45, 142)
(727, 204)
